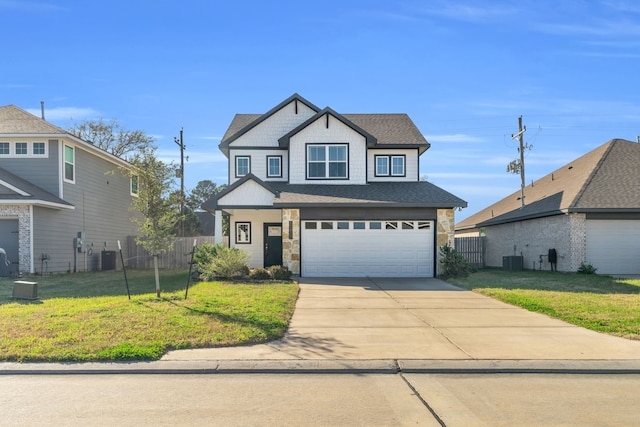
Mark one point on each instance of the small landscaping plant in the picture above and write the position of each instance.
(224, 263)
(453, 264)
(279, 272)
(259, 274)
(586, 269)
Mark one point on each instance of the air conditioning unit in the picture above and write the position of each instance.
(512, 263)
(25, 290)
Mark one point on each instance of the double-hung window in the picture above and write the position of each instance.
(390, 165)
(274, 166)
(69, 163)
(5, 148)
(327, 161)
(22, 148)
(243, 166)
(39, 149)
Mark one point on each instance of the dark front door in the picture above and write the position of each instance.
(272, 245)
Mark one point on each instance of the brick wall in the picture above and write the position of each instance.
(532, 238)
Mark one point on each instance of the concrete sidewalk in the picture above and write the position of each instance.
(396, 325)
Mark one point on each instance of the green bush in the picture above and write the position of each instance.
(453, 264)
(279, 272)
(206, 252)
(586, 269)
(227, 263)
(259, 274)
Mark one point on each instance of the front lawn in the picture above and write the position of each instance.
(600, 303)
(88, 317)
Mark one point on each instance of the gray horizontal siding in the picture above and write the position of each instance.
(41, 171)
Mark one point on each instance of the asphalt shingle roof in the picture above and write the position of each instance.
(14, 120)
(605, 179)
(35, 193)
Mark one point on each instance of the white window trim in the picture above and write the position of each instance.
(375, 160)
(64, 163)
(13, 150)
(404, 165)
(137, 192)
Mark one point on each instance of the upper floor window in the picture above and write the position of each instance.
(390, 165)
(39, 149)
(134, 185)
(5, 148)
(22, 148)
(69, 163)
(327, 161)
(274, 166)
(243, 165)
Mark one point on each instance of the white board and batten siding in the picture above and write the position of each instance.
(396, 249)
(613, 246)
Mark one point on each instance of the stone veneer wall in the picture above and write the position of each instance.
(445, 234)
(291, 240)
(24, 233)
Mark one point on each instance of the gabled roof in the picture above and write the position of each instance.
(15, 120)
(388, 130)
(243, 123)
(21, 191)
(373, 194)
(369, 139)
(607, 179)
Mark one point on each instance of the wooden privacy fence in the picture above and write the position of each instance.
(472, 249)
(178, 257)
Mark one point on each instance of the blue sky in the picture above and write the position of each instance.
(464, 71)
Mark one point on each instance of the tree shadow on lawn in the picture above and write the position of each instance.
(549, 281)
(95, 284)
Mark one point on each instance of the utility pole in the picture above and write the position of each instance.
(520, 136)
(182, 148)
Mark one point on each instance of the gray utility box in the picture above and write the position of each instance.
(25, 290)
(512, 263)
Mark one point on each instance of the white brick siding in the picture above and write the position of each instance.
(337, 132)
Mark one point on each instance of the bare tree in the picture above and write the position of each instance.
(113, 137)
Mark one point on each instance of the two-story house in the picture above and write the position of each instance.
(329, 194)
(62, 200)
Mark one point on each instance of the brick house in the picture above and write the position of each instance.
(588, 210)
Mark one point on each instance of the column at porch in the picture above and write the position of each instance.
(217, 226)
(445, 233)
(291, 239)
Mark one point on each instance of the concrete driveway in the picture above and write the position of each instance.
(381, 318)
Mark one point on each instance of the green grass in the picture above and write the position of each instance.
(88, 317)
(599, 303)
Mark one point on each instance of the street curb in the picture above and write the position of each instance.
(386, 366)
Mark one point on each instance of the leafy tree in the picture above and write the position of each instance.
(113, 137)
(203, 191)
(159, 208)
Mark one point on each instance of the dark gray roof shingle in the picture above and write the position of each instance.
(36, 195)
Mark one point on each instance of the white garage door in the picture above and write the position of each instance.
(613, 246)
(367, 248)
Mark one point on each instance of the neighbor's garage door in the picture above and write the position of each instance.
(613, 246)
(367, 248)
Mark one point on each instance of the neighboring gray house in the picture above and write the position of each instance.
(329, 194)
(588, 210)
(54, 186)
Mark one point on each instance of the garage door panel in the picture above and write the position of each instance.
(613, 246)
(367, 252)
